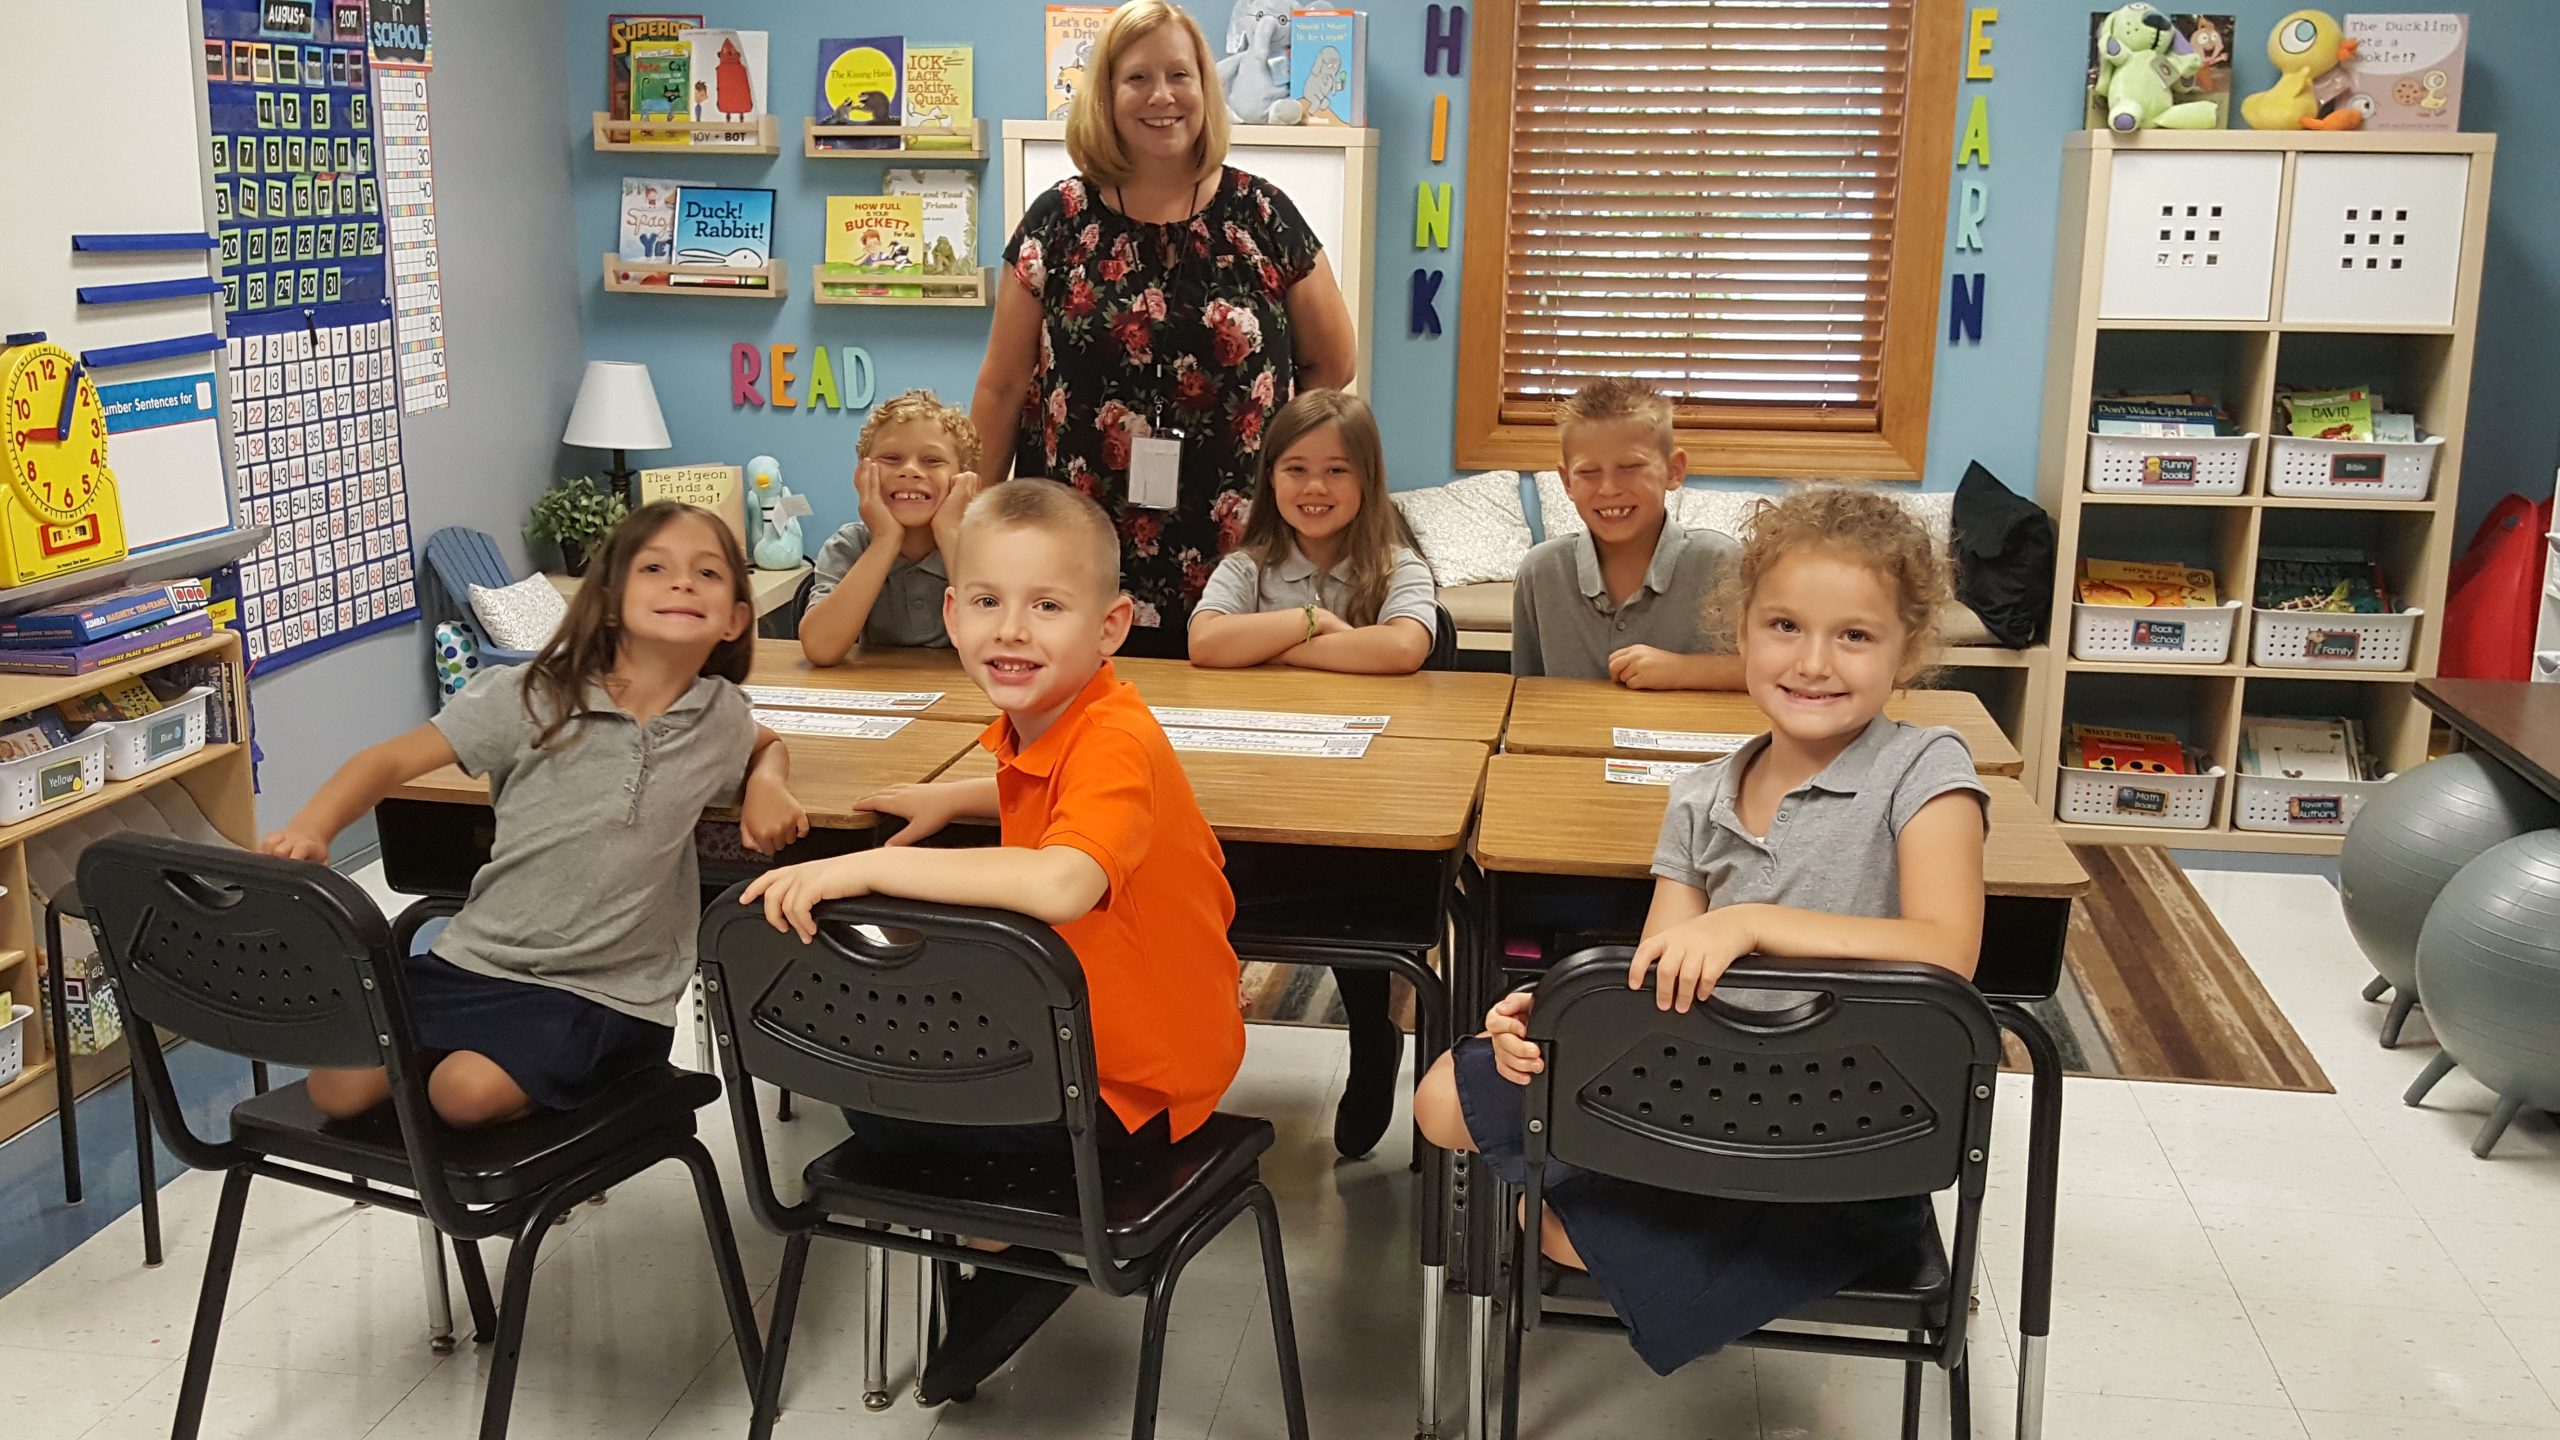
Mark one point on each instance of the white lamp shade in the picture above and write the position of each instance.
(617, 409)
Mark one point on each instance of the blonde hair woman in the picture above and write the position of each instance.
(1156, 293)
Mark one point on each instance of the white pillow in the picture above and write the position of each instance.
(1556, 515)
(1727, 512)
(1472, 529)
(520, 616)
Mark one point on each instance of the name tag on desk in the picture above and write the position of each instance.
(786, 697)
(1288, 720)
(1268, 742)
(1645, 772)
(851, 727)
(1684, 742)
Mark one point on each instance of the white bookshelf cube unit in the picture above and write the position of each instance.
(2238, 263)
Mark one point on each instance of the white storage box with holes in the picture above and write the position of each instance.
(2376, 240)
(2191, 236)
(2118, 797)
(2354, 469)
(2298, 807)
(2154, 634)
(2332, 640)
(13, 1041)
(147, 742)
(2169, 465)
(60, 775)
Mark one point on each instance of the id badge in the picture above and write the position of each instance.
(1155, 470)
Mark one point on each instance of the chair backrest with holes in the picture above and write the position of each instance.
(1797, 1080)
(935, 1013)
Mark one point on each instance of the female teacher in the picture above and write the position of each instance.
(1161, 308)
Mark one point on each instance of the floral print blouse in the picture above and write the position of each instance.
(1150, 327)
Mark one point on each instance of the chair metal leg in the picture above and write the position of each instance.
(439, 1295)
(1911, 1379)
(2398, 1015)
(924, 1319)
(2438, 1066)
(2031, 1387)
(66, 1107)
(1426, 1415)
(1159, 1321)
(475, 1291)
(2487, 1139)
(724, 1257)
(1515, 1327)
(1284, 1329)
(767, 1388)
(2376, 988)
(2044, 1160)
(782, 1107)
(1479, 1342)
(1960, 1400)
(498, 1405)
(146, 1173)
(875, 1329)
(209, 1302)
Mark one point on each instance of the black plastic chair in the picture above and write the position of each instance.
(292, 964)
(1444, 640)
(1871, 1081)
(960, 1016)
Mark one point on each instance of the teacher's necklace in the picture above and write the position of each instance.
(1192, 200)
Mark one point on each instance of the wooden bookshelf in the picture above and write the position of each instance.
(905, 150)
(2153, 226)
(976, 291)
(629, 277)
(760, 136)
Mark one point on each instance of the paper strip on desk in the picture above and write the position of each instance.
(1686, 742)
(793, 698)
(1646, 772)
(1268, 742)
(851, 727)
(1170, 716)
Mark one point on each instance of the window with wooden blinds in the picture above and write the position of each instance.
(1739, 200)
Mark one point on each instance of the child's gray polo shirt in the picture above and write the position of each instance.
(1565, 623)
(1831, 846)
(909, 609)
(1242, 585)
(592, 886)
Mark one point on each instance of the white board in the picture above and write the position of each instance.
(101, 133)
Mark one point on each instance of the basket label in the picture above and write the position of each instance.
(165, 737)
(2137, 801)
(2159, 634)
(2356, 469)
(2316, 809)
(2168, 469)
(2330, 644)
(59, 780)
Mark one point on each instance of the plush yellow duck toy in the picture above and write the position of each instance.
(2307, 49)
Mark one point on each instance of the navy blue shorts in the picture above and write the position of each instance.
(1688, 1274)
(562, 1050)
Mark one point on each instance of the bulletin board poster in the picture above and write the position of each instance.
(315, 396)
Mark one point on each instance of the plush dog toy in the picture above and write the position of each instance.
(2138, 63)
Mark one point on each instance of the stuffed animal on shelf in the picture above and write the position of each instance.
(777, 540)
(2139, 70)
(2309, 52)
(1255, 70)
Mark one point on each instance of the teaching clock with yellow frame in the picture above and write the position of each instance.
(58, 510)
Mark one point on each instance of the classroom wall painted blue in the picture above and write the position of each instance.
(1987, 397)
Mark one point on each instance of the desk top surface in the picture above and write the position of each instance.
(1556, 815)
(2516, 720)
(1431, 705)
(1577, 717)
(828, 772)
(1401, 795)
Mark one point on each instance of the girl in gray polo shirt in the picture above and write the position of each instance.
(1840, 832)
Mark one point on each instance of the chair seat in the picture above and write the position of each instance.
(1910, 1292)
(490, 1166)
(1148, 1195)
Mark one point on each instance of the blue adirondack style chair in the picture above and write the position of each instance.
(457, 559)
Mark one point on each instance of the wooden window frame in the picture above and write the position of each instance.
(1889, 442)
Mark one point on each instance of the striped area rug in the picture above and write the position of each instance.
(2153, 989)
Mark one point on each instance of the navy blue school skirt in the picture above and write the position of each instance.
(562, 1050)
(1688, 1274)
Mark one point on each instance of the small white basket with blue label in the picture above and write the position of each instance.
(147, 742)
(2301, 807)
(2354, 469)
(2176, 465)
(59, 776)
(2127, 797)
(2156, 634)
(2333, 640)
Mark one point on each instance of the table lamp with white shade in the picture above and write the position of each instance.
(617, 410)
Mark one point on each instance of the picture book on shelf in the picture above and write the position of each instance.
(720, 225)
(940, 89)
(661, 75)
(2206, 38)
(2291, 747)
(875, 238)
(648, 227)
(2326, 579)
(32, 734)
(947, 208)
(728, 81)
(2138, 752)
(2156, 415)
(2327, 414)
(127, 699)
(861, 82)
(716, 488)
(2146, 583)
(1329, 66)
(1066, 46)
(2408, 69)
(620, 32)
(78, 622)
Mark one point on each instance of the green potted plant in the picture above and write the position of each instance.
(575, 514)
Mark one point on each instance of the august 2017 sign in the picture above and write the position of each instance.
(396, 32)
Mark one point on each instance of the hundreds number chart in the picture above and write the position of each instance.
(408, 194)
(315, 392)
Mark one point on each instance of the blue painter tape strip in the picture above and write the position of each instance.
(111, 355)
(151, 240)
(147, 290)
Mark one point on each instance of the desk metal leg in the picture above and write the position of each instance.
(439, 1297)
(875, 1329)
(1426, 1419)
(2044, 1158)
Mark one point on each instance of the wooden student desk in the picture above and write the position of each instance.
(780, 663)
(2517, 721)
(1429, 705)
(1575, 717)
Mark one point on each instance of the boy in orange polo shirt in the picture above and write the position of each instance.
(1102, 839)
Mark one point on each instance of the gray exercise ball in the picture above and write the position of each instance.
(2407, 843)
(2489, 967)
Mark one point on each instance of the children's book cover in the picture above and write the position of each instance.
(1329, 65)
(2146, 583)
(721, 225)
(2206, 37)
(2408, 70)
(940, 85)
(948, 203)
(619, 33)
(728, 81)
(716, 488)
(1066, 48)
(660, 72)
(875, 238)
(2141, 752)
(648, 228)
(861, 82)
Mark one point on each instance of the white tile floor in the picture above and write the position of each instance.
(2234, 1265)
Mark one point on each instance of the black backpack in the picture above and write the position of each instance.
(2004, 558)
